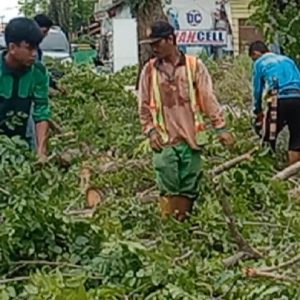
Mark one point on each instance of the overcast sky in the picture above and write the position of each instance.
(9, 9)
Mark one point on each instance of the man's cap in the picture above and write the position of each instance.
(158, 30)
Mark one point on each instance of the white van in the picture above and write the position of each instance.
(56, 46)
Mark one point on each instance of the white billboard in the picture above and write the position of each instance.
(195, 23)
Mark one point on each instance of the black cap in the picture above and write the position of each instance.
(158, 30)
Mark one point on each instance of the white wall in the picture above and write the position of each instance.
(123, 12)
(125, 48)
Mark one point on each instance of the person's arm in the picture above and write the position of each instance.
(207, 99)
(257, 86)
(146, 119)
(144, 100)
(209, 104)
(42, 111)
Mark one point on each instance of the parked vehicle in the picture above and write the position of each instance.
(2, 42)
(56, 46)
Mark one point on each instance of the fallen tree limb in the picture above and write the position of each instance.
(264, 224)
(115, 166)
(232, 163)
(84, 213)
(288, 263)
(245, 250)
(65, 134)
(234, 259)
(252, 223)
(47, 263)
(148, 196)
(230, 220)
(16, 279)
(287, 172)
(256, 273)
(183, 257)
(14, 270)
(269, 272)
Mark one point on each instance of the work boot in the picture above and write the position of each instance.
(177, 206)
(182, 207)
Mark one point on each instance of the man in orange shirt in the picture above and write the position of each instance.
(175, 92)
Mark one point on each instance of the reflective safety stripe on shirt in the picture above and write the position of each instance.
(156, 106)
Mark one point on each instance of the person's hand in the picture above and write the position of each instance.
(258, 123)
(156, 141)
(260, 117)
(226, 138)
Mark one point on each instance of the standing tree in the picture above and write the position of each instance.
(30, 7)
(146, 12)
(280, 21)
(70, 15)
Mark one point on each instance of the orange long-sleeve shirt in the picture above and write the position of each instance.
(177, 110)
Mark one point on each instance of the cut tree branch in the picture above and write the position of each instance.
(232, 163)
(183, 257)
(268, 271)
(256, 273)
(16, 279)
(286, 264)
(148, 196)
(230, 220)
(288, 172)
(234, 259)
(245, 250)
(47, 263)
(115, 166)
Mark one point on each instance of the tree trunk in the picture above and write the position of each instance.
(59, 11)
(150, 12)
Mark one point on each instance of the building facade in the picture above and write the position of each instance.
(216, 26)
(242, 31)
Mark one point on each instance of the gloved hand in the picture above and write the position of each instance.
(258, 123)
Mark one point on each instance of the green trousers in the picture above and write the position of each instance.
(178, 171)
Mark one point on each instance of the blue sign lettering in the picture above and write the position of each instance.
(194, 17)
(201, 36)
(221, 36)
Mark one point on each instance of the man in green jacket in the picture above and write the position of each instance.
(24, 83)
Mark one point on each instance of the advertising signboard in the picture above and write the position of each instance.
(195, 24)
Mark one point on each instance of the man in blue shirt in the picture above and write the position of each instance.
(277, 79)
